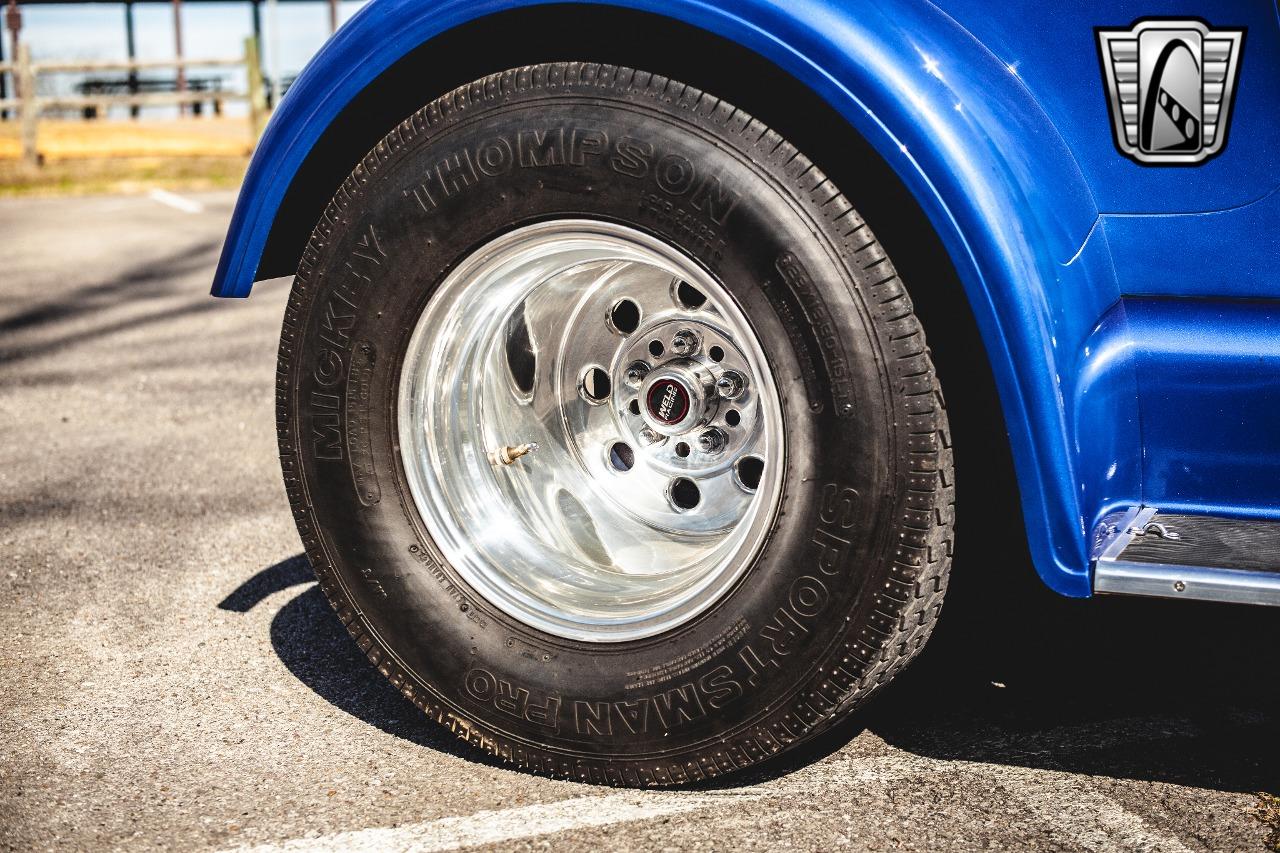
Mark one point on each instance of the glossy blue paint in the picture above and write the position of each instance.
(1004, 141)
(1226, 253)
(1208, 383)
(1052, 46)
(1100, 392)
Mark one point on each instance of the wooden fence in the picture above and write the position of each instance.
(30, 106)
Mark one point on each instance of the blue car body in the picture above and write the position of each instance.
(1129, 312)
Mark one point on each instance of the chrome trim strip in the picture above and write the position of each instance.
(1202, 583)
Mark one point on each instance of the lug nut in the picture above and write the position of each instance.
(649, 435)
(684, 343)
(712, 440)
(731, 385)
(636, 374)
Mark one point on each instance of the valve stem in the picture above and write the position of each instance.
(507, 455)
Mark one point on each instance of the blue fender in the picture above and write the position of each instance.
(965, 136)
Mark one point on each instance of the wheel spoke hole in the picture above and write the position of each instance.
(632, 520)
(732, 418)
(750, 469)
(625, 317)
(684, 494)
(621, 456)
(596, 385)
(522, 361)
(689, 296)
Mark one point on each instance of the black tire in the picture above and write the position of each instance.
(847, 587)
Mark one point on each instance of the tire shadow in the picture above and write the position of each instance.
(1178, 692)
(310, 641)
(1144, 689)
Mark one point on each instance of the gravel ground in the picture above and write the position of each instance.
(172, 678)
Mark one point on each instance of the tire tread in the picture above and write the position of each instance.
(905, 611)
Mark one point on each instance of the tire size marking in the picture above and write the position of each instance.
(799, 283)
(794, 328)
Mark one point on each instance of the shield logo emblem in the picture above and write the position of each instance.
(1170, 87)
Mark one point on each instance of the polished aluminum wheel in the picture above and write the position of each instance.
(590, 431)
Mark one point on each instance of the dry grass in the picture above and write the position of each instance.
(62, 139)
(120, 175)
(120, 155)
(1268, 812)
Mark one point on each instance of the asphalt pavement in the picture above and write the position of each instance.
(172, 679)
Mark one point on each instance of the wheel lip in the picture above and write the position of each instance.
(515, 603)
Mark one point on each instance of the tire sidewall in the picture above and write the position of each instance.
(700, 183)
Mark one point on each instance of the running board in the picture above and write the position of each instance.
(1147, 552)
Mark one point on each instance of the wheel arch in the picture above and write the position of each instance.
(917, 122)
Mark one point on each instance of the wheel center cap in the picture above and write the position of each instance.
(677, 397)
(668, 401)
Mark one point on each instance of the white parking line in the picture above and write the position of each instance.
(490, 827)
(175, 201)
(1084, 817)
(1078, 814)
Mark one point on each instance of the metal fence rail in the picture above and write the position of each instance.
(31, 107)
